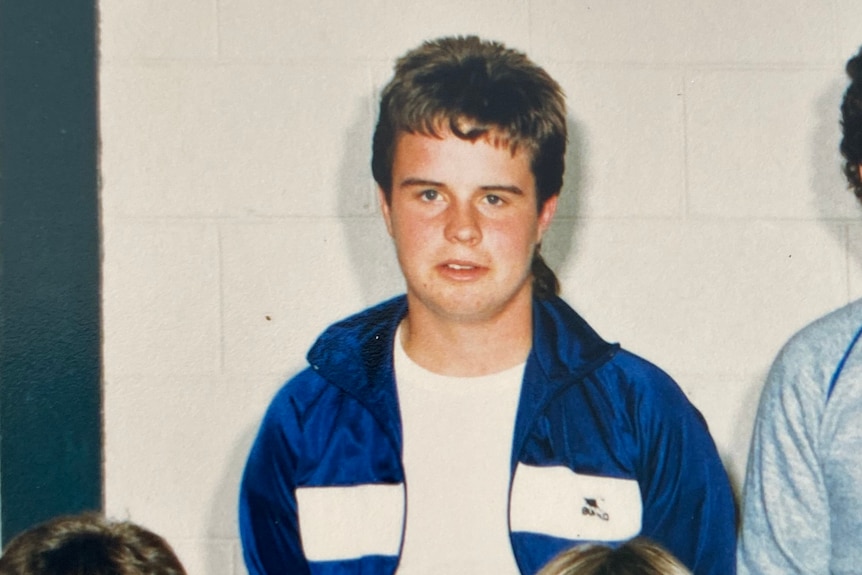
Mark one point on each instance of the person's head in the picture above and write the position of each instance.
(637, 557)
(851, 123)
(89, 544)
(476, 90)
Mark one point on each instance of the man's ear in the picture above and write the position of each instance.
(385, 209)
(546, 215)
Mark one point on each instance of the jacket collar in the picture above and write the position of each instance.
(565, 349)
(356, 355)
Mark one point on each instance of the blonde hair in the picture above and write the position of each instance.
(637, 557)
(89, 544)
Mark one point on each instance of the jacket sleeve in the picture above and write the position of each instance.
(786, 525)
(688, 504)
(268, 519)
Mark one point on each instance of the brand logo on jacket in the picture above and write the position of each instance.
(592, 509)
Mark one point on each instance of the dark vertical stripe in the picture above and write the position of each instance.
(50, 357)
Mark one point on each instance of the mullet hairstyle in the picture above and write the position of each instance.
(637, 557)
(851, 124)
(477, 89)
(89, 544)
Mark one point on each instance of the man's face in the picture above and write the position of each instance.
(464, 220)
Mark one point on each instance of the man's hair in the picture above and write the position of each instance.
(637, 557)
(476, 89)
(851, 124)
(89, 544)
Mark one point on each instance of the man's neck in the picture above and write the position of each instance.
(468, 348)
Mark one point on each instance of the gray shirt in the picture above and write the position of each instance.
(802, 509)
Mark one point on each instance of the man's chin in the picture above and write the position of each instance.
(467, 310)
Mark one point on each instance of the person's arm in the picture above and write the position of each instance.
(268, 519)
(687, 499)
(785, 524)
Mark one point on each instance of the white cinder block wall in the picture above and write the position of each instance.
(705, 218)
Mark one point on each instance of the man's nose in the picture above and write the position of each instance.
(463, 225)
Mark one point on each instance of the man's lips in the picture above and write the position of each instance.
(461, 264)
(462, 270)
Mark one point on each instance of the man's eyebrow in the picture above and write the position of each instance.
(433, 184)
(501, 188)
(420, 182)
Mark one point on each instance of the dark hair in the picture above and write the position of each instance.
(851, 124)
(477, 89)
(636, 557)
(89, 544)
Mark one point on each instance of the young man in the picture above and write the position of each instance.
(802, 511)
(478, 424)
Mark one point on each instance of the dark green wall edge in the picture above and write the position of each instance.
(50, 357)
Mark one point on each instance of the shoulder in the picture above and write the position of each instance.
(811, 359)
(623, 378)
(651, 399)
(825, 338)
(345, 360)
(293, 404)
(640, 378)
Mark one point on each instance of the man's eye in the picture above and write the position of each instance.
(430, 195)
(493, 199)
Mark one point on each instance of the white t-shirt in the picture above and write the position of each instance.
(457, 434)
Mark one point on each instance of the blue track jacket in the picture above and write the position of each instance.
(606, 447)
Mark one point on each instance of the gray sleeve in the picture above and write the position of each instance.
(841, 461)
(785, 519)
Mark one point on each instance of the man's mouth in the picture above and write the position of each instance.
(461, 270)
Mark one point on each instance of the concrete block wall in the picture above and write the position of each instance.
(704, 219)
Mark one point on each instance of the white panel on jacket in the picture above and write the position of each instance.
(558, 502)
(348, 522)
